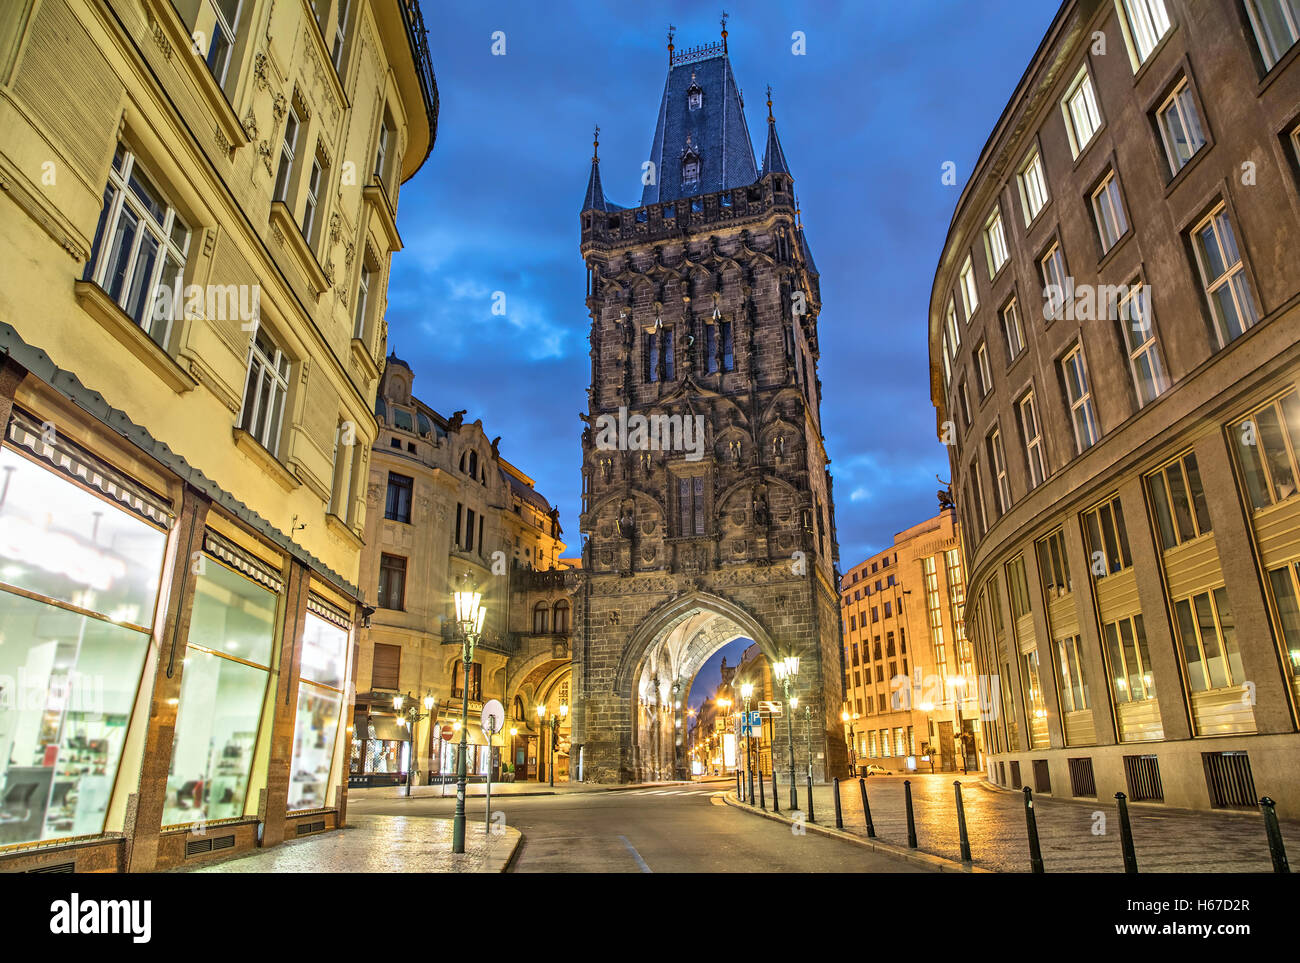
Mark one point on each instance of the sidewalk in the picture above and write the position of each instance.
(382, 844)
(477, 790)
(1075, 836)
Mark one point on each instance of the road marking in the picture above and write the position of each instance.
(635, 855)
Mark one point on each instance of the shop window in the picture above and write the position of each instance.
(319, 705)
(223, 685)
(141, 243)
(62, 733)
(1178, 502)
(1268, 447)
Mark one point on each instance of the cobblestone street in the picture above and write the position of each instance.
(1165, 842)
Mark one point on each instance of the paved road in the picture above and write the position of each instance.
(679, 829)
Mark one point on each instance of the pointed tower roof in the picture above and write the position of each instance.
(773, 157)
(595, 200)
(701, 101)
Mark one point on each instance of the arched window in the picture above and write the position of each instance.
(560, 616)
(519, 709)
(540, 611)
(475, 681)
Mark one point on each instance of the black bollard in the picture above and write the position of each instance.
(776, 805)
(1276, 848)
(811, 817)
(961, 823)
(1126, 834)
(839, 815)
(1035, 854)
(866, 808)
(911, 822)
(762, 800)
(739, 794)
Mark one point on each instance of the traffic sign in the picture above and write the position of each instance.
(447, 732)
(771, 708)
(494, 715)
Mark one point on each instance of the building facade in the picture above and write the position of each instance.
(911, 690)
(1115, 348)
(446, 511)
(197, 220)
(714, 519)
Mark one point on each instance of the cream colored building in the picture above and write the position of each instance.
(445, 510)
(195, 232)
(910, 681)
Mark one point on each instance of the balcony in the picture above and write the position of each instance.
(417, 36)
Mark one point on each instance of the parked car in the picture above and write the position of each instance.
(874, 770)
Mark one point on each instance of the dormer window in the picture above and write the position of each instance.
(694, 97)
(690, 164)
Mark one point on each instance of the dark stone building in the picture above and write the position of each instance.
(712, 519)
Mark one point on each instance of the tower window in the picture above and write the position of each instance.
(694, 97)
(690, 169)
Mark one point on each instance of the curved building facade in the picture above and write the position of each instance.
(1114, 339)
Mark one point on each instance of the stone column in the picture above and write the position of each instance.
(275, 797)
(171, 634)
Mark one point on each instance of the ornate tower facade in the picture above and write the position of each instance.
(707, 505)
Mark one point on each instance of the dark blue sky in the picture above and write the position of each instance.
(883, 96)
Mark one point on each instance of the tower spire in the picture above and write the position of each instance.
(774, 161)
(770, 119)
(725, 15)
(595, 146)
(671, 31)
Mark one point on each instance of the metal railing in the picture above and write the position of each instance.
(418, 37)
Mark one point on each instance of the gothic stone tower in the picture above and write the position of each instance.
(704, 303)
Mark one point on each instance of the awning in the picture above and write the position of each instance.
(386, 729)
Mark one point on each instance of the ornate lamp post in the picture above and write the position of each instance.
(957, 683)
(786, 671)
(746, 693)
(724, 704)
(852, 737)
(514, 731)
(555, 735)
(541, 734)
(469, 616)
(411, 719)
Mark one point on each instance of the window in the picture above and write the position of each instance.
(392, 581)
(381, 149)
(1069, 664)
(728, 348)
(475, 681)
(225, 31)
(541, 613)
(340, 34)
(140, 247)
(995, 242)
(964, 398)
(398, 505)
(1277, 26)
(1033, 186)
(1012, 330)
(1082, 116)
(970, 298)
(658, 354)
(341, 477)
(265, 391)
(1224, 277)
(1208, 635)
(856, 659)
(719, 349)
(288, 147)
(977, 495)
(385, 666)
(954, 333)
(1145, 23)
(690, 504)
(889, 611)
(1180, 127)
(1284, 582)
(998, 463)
(1018, 587)
(314, 182)
(1268, 447)
(691, 169)
(1108, 212)
(983, 376)
(875, 616)
(1052, 265)
(1031, 433)
(1128, 660)
(1148, 371)
(1079, 397)
(363, 298)
(853, 623)
(1107, 539)
(1053, 565)
(1178, 502)
(320, 703)
(560, 617)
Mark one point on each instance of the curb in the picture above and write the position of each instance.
(514, 851)
(939, 863)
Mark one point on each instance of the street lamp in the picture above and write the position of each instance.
(957, 683)
(469, 616)
(541, 733)
(411, 719)
(746, 693)
(786, 670)
(514, 731)
(724, 704)
(849, 721)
